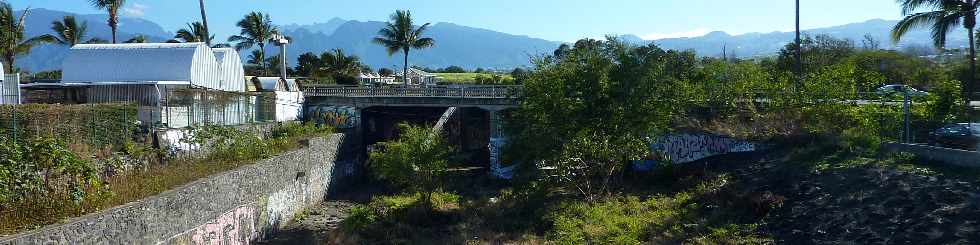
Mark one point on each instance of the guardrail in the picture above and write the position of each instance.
(503, 91)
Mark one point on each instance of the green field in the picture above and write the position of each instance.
(465, 77)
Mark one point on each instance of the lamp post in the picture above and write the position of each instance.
(799, 50)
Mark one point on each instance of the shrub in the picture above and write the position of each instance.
(416, 160)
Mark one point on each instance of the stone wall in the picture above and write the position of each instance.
(943, 155)
(234, 207)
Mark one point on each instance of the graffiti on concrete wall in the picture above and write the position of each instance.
(336, 116)
(687, 147)
(496, 167)
(234, 227)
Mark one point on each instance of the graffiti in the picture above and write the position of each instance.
(685, 148)
(496, 168)
(336, 116)
(234, 227)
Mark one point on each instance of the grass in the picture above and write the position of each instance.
(695, 210)
(128, 187)
(465, 78)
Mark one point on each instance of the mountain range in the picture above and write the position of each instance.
(459, 45)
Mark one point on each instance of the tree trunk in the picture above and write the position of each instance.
(971, 79)
(204, 20)
(262, 59)
(405, 69)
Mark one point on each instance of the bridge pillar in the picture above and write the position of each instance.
(496, 124)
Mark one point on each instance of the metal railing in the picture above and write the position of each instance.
(495, 91)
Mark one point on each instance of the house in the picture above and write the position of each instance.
(175, 84)
(375, 78)
(419, 77)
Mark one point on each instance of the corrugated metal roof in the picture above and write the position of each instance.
(232, 72)
(143, 63)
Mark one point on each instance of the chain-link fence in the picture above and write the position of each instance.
(96, 127)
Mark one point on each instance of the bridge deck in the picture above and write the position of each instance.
(462, 96)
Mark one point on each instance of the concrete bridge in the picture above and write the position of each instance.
(468, 115)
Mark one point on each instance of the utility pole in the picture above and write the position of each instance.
(799, 50)
(204, 19)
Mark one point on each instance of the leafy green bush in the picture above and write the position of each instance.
(386, 212)
(416, 160)
(44, 166)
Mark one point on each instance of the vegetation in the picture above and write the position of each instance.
(256, 30)
(400, 34)
(13, 43)
(194, 33)
(138, 39)
(59, 183)
(475, 78)
(112, 8)
(69, 32)
(415, 161)
(335, 65)
(943, 16)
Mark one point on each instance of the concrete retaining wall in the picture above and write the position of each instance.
(939, 154)
(234, 207)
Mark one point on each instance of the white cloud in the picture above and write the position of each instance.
(135, 10)
(692, 33)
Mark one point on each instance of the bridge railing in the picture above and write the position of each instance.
(481, 91)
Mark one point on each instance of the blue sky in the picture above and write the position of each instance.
(560, 20)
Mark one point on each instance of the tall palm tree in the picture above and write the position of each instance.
(400, 34)
(194, 33)
(12, 42)
(138, 39)
(942, 16)
(111, 7)
(257, 29)
(204, 19)
(69, 32)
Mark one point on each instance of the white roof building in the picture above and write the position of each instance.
(193, 64)
(273, 84)
(419, 77)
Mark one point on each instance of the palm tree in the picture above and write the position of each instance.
(69, 32)
(112, 7)
(204, 18)
(194, 33)
(257, 29)
(337, 62)
(138, 39)
(943, 16)
(401, 35)
(12, 42)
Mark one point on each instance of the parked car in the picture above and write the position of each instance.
(899, 89)
(965, 136)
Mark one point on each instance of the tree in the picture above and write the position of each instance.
(12, 42)
(204, 19)
(943, 16)
(339, 63)
(307, 64)
(194, 33)
(111, 7)
(870, 43)
(416, 160)
(453, 69)
(588, 113)
(386, 72)
(256, 58)
(69, 32)
(138, 39)
(400, 34)
(257, 29)
(818, 52)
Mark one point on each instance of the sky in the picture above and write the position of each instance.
(557, 20)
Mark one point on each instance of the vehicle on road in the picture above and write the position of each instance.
(899, 89)
(964, 136)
